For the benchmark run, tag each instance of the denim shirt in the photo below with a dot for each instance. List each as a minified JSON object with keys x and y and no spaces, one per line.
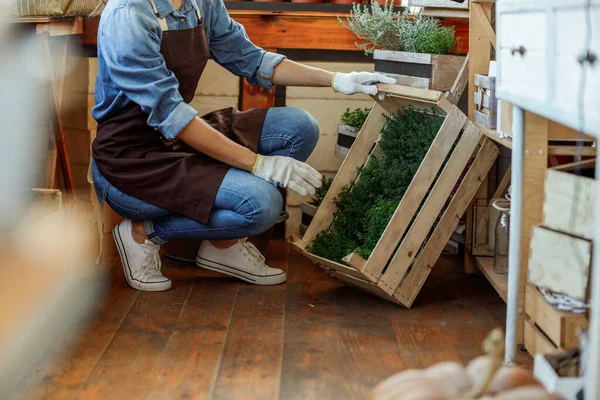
{"x":132,"y":69}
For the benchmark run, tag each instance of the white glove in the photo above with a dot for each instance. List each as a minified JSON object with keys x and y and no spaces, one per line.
{"x":287,"y":172}
{"x":358,"y":82}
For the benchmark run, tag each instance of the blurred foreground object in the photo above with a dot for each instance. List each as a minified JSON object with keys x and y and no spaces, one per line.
{"x":49,"y":280}
{"x":483,"y":378}
{"x":50,"y":285}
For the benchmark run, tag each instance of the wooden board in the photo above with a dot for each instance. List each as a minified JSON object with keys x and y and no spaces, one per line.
{"x":415,"y":193}
{"x":560,"y":262}
{"x":498,"y":281}
{"x":412,"y":284}
{"x":479,"y":52}
{"x":560,"y":326}
{"x":535,"y":340}
{"x":445,"y":70}
{"x":431,"y":209}
{"x":569,"y":204}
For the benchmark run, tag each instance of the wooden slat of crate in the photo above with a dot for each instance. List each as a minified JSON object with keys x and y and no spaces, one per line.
{"x":364,"y":285}
{"x":361,"y":150}
{"x":560,"y":326}
{"x":535,"y":340}
{"x":569,"y":204}
{"x":559,"y":262}
{"x":444,"y":70}
{"x":325,"y":263}
{"x":413,"y":282}
{"x":419,"y":98}
{"x":415,"y":193}
{"x":431,"y":209}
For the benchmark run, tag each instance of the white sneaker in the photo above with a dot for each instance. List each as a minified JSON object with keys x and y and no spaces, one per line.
{"x":241,"y":260}
{"x":141,"y":262}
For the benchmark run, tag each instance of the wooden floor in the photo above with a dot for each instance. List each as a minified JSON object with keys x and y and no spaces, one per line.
{"x":217,"y":338}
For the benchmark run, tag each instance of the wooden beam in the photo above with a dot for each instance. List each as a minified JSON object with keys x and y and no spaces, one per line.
{"x":458,"y":88}
{"x":479,"y":50}
{"x":485,"y":23}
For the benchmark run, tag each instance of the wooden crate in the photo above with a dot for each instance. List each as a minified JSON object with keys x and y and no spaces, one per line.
{"x":559,"y":262}
{"x":559,"y":326}
{"x":485,"y":99}
{"x":397,"y":270}
{"x":569,"y":204}
{"x":423,"y":71}
{"x":536,"y":341}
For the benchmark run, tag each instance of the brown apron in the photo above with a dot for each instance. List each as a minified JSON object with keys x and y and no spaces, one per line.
{"x":140,"y":162}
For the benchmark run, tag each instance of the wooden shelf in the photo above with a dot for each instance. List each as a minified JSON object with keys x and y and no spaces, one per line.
{"x":499,"y":282}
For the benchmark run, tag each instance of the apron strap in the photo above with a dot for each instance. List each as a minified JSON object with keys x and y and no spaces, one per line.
{"x":163,"y":21}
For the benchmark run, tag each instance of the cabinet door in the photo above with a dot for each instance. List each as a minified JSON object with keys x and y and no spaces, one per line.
{"x":522,"y":43}
{"x":577,"y":84}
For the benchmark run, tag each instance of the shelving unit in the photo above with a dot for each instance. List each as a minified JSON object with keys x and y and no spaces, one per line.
{"x":498,"y":281}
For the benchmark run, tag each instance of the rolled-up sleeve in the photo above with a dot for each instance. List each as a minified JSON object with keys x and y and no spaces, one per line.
{"x":231,"y":48}
{"x":130,"y":45}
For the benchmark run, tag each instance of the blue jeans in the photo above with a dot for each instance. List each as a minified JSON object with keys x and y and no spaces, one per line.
{"x":245,"y":204}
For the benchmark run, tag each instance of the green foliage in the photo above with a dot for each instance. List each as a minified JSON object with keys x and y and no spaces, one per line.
{"x":355,"y":118}
{"x":425,"y":35}
{"x":321,"y":192}
{"x":380,"y":27}
{"x":365,"y":206}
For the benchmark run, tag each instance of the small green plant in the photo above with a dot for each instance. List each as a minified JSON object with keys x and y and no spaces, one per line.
{"x":381,"y":27}
{"x":321,"y":192}
{"x":355,"y":118}
{"x":365,"y":206}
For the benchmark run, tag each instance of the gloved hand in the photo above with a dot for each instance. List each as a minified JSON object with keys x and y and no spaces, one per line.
{"x":288,"y":173}
{"x":358,"y":82}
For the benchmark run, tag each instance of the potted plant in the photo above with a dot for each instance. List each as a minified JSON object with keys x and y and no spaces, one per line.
{"x":348,"y":128}
{"x":413,"y":49}
{"x":310,"y":209}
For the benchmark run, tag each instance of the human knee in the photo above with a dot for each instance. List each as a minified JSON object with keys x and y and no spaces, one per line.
{"x":306,"y":128}
{"x":266,"y":204}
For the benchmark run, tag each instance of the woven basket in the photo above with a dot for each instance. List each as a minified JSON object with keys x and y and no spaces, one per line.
{"x":58,"y":8}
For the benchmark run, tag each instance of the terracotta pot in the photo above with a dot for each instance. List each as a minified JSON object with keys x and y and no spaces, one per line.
{"x":345,"y":1}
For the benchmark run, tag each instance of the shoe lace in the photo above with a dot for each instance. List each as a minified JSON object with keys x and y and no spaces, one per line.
{"x":253,"y":251}
{"x":151,"y":264}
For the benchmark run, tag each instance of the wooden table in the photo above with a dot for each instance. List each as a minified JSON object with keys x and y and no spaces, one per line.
{"x":285,"y":26}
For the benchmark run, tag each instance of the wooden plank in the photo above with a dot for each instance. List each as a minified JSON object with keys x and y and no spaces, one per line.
{"x":459,"y":85}
{"x":432,"y":162}
{"x":559,"y":150}
{"x":492,"y":134}
{"x":574,"y":166}
{"x":440,"y":3}
{"x":534,"y":173}
{"x":430,"y":210}
{"x":560,"y":326}
{"x":251,"y":361}
{"x":569,"y":204}
{"x":407,"y":292}
{"x":356,"y":157}
{"x":479,"y":50}
{"x":477,"y":9}
{"x":140,"y":341}
{"x":424,"y":95}
{"x":402,"y":56}
{"x":535,"y":341}
{"x":189,"y":364}
{"x":71,"y":371}
{"x":498,"y":281}
{"x":363,"y":285}
{"x":560,"y":262}
{"x":412,"y":81}
{"x":60,"y":27}
{"x":355,"y":261}
{"x":446,"y":68}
